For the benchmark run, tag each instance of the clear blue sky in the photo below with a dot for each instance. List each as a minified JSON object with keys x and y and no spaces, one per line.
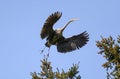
{"x":20,"y":43}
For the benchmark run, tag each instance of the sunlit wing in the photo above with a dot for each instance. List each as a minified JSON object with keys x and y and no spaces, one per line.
{"x":48,"y":25}
{"x":73,"y":43}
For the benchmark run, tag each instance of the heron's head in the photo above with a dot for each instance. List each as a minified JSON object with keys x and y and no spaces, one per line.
{"x":73,"y":19}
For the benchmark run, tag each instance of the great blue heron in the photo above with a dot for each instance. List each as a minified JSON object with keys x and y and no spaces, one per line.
{"x":55,"y":37}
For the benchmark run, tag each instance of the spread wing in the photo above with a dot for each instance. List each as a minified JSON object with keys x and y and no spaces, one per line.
{"x":48,"y":25}
{"x":73,"y":43}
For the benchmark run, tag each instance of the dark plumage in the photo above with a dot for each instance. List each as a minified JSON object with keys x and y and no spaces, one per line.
{"x":48,"y":25}
{"x":72,"y":43}
{"x":55,"y":37}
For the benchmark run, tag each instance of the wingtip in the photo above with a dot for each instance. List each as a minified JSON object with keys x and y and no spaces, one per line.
{"x":58,"y":12}
{"x":86,"y":34}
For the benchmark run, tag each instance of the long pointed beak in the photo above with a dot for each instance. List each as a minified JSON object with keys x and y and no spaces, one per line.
{"x":74,"y":19}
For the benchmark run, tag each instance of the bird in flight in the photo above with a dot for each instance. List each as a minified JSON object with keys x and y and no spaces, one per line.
{"x":55,"y":37}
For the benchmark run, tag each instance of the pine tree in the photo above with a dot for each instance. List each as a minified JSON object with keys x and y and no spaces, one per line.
{"x":110,"y":49}
{"x":48,"y":73}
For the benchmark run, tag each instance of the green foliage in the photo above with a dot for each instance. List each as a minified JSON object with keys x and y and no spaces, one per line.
{"x":110,"y":49}
{"x":48,"y":73}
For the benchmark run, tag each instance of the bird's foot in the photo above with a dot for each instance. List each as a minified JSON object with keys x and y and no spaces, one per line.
{"x":42,"y":50}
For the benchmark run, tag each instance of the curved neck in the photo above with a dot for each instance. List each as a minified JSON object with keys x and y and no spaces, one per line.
{"x":66,"y":25}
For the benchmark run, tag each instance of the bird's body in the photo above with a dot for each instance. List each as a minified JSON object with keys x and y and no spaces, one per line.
{"x":52,"y":39}
{"x":55,"y":37}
